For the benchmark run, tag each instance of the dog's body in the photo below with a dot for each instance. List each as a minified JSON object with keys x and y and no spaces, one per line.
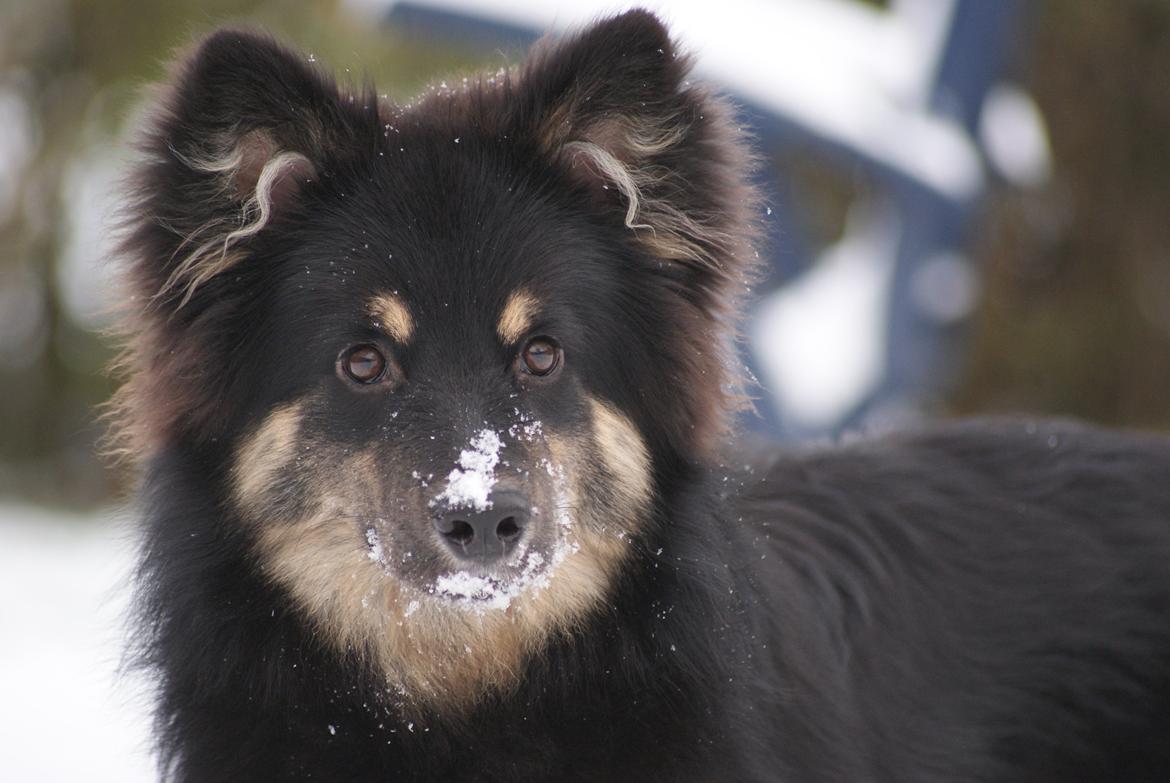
{"x":433,"y":405}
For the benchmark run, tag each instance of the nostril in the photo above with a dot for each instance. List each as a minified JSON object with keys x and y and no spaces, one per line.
{"x":508,"y":529}
{"x":457,"y":531}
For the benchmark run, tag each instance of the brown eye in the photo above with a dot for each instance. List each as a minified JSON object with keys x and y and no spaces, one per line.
{"x":540,"y":356}
{"x":363,"y":364}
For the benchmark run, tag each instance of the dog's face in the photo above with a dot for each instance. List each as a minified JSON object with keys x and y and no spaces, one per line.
{"x":451,"y":353}
{"x":425,"y":372}
{"x":426,"y":448}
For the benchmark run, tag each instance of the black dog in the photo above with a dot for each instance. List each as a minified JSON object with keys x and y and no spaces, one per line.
{"x":431,"y":402}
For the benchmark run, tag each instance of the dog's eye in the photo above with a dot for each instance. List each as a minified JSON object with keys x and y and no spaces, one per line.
{"x":363,"y":364}
{"x":541,"y":356}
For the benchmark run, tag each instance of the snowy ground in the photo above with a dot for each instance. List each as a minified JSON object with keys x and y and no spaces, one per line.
{"x":65,"y":713}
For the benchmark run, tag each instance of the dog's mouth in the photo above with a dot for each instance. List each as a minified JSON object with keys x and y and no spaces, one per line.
{"x":431,"y":572}
{"x":476,"y":588}
{"x":530,"y":571}
{"x":492,"y":590}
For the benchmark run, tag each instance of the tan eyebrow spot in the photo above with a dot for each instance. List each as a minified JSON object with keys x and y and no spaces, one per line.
{"x":516,"y":317}
{"x":393,"y":316}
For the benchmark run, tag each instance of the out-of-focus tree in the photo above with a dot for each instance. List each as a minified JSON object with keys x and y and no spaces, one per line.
{"x":71,"y":77}
{"x":1075,"y":316}
{"x":1076,"y":309}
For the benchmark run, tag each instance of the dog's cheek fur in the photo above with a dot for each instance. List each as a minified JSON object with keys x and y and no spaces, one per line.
{"x":623,"y":469}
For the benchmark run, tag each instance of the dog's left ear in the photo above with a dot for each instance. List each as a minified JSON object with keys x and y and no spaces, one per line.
{"x":614,"y":107}
{"x":243,"y":127}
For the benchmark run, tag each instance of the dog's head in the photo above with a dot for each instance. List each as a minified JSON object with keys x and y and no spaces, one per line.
{"x":453,"y":351}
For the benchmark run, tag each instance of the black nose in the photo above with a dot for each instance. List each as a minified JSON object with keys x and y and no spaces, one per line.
{"x":488,"y":535}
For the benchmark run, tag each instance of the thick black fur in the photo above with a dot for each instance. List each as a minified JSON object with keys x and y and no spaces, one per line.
{"x":984,"y":601}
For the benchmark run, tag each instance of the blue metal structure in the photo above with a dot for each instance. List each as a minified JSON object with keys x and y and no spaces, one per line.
{"x":902,"y":260}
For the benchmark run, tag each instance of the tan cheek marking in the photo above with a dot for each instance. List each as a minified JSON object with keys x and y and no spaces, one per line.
{"x":516,"y":317}
{"x":393,"y":316}
{"x":624,"y":453}
{"x":582,"y":580}
{"x":429,"y":652}
{"x":264,"y":453}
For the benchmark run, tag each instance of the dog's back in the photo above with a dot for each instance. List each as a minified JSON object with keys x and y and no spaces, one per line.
{"x":987,"y":600}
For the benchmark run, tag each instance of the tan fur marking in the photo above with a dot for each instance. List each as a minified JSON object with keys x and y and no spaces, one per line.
{"x":624,"y":453}
{"x":516,"y":317}
{"x":264,"y":453}
{"x":394,"y":317}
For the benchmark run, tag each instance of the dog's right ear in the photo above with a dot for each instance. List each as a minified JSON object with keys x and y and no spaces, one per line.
{"x":237,"y":136}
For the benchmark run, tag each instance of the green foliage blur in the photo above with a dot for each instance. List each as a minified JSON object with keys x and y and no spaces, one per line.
{"x":72,"y":78}
{"x":1075,"y":316}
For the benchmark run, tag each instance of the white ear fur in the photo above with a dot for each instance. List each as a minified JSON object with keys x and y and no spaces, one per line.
{"x":263,"y":180}
{"x":625,"y":154}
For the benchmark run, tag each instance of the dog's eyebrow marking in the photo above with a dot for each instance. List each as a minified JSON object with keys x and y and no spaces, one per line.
{"x":517,"y":315}
{"x":393,"y":316}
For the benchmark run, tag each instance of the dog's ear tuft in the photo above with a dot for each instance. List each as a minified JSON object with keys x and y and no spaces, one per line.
{"x":613,"y":105}
{"x":613,"y":110}
{"x":614,"y":85}
{"x":236,"y":137}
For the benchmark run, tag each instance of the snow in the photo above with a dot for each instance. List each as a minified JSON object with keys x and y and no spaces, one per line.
{"x":481,"y":593}
{"x":376,"y":553}
{"x":462,"y":584}
{"x":478,"y":593}
{"x":527,"y":429}
{"x":68,"y":715}
{"x":470,"y":484}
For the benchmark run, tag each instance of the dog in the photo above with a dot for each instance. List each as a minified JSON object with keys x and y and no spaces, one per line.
{"x":433,"y":409}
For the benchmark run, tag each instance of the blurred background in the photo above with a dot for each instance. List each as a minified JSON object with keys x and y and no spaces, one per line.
{"x":967,"y":211}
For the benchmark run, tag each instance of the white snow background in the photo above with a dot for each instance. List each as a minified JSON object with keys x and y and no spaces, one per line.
{"x":66,"y":714}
